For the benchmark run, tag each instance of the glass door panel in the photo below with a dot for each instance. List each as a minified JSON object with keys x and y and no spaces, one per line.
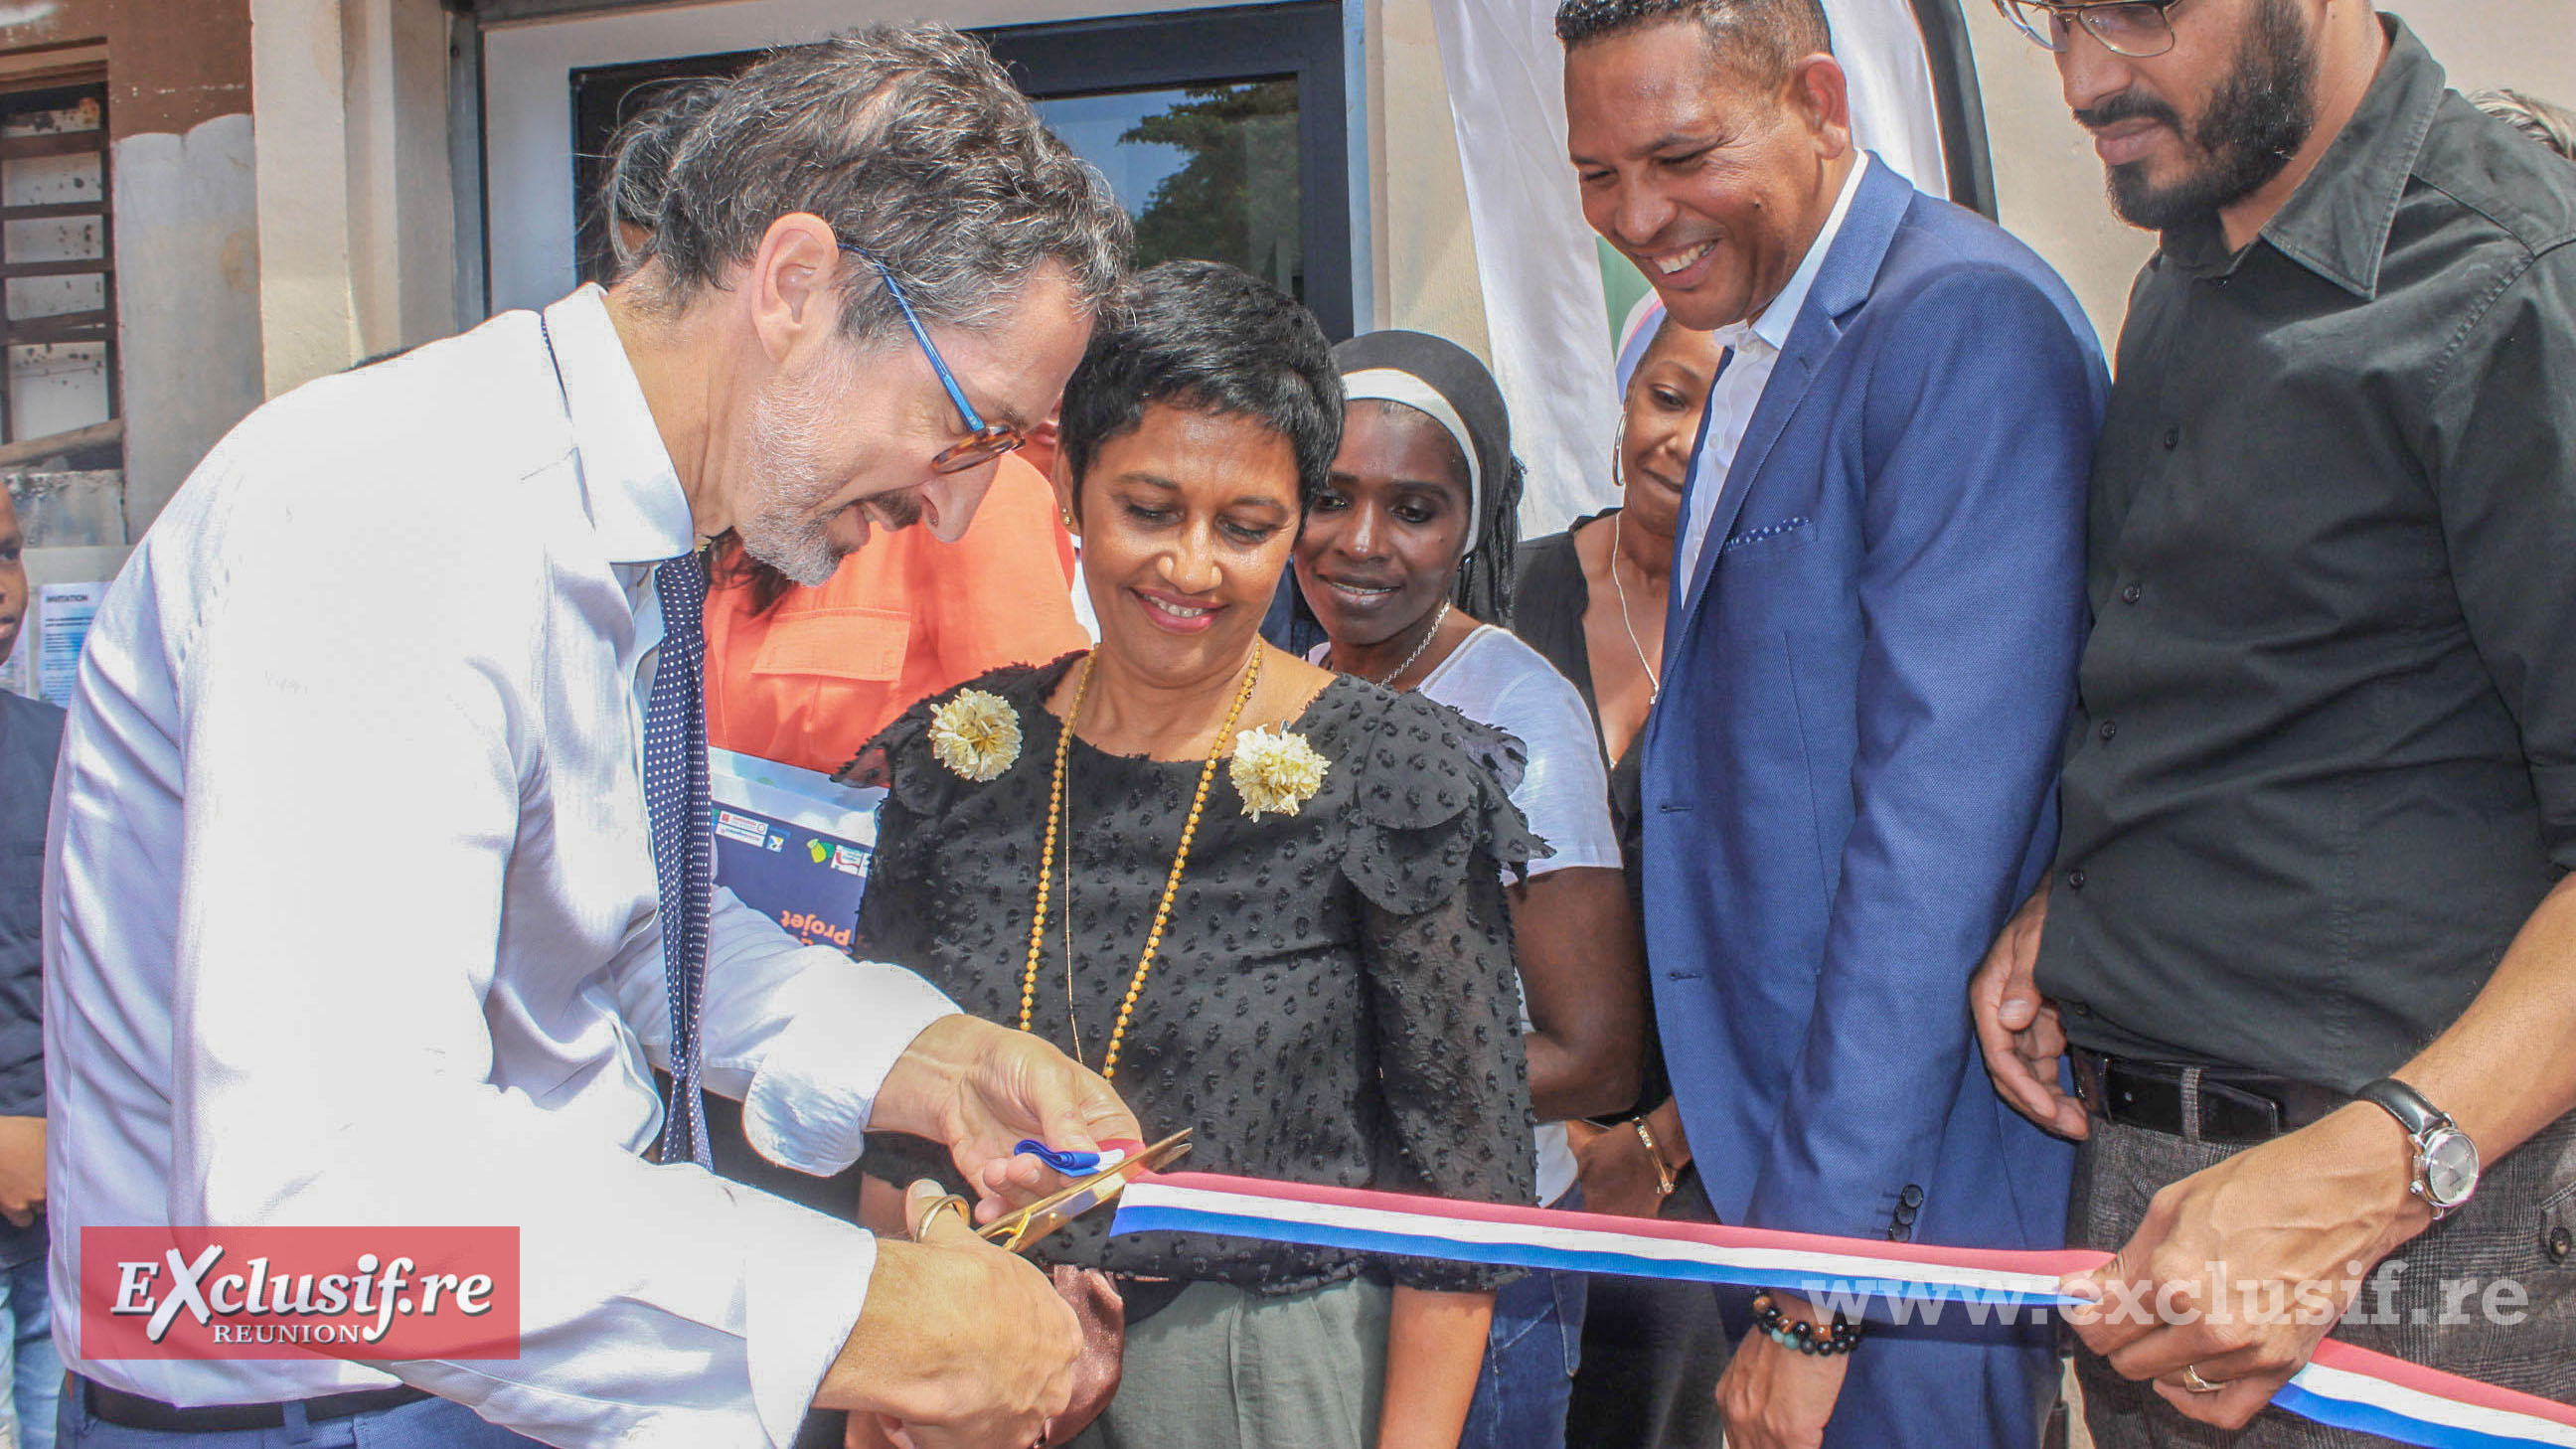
{"x":1207,"y":171}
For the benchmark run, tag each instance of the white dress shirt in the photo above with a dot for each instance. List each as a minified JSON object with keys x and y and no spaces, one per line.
{"x":350,"y":914}
{"x":1754,"y":349}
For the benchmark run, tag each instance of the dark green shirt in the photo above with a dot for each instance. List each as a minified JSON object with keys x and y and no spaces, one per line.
{"x":2324,"y":759}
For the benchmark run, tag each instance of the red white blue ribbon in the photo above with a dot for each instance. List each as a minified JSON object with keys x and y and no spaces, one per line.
{"x":2342,"y":1387}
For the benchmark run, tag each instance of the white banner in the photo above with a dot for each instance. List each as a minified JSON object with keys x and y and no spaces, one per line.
{"x":1536,"y":259}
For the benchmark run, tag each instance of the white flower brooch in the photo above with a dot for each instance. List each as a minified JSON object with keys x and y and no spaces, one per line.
{"x":1275,"y":772}
{"x":976,"y":734}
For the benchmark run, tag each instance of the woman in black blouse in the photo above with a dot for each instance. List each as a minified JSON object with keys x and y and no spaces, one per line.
{"x":1592,"y":600}
{"x":1330,"y":997}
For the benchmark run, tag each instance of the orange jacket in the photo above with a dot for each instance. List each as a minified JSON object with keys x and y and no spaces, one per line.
{"x":814,"y":678}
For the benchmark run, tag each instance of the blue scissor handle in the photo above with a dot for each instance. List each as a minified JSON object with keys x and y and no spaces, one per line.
{"x":1072,"y":1163}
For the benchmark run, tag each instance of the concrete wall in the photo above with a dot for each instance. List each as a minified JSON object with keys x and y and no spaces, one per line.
{"x":186,"y":253}
{"x":356,"y":212}
{"x":2050,"y":183}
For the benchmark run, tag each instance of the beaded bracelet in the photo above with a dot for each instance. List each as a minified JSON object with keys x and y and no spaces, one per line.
{"x":1810,"y":1339}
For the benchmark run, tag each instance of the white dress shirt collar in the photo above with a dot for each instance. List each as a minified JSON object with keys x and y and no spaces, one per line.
{"x":1753,"y":350}
{"x":1777,"y":320}
{"x":636,"y":503}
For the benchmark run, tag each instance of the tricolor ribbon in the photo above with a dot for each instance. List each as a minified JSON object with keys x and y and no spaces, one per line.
{"x":2342,"y":1387}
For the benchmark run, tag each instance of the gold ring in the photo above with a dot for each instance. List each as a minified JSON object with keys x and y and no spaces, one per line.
{"x":948,"y":1203}
{"x":2193,"y":1383}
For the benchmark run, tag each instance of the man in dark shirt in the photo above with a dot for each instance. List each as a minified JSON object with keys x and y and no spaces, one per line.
{"x":2320,"y":792}
{"x":30,"y":733}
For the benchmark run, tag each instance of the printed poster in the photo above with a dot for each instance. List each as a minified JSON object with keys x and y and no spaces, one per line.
{"x":792,"y":844}
{"x":63,"y":614}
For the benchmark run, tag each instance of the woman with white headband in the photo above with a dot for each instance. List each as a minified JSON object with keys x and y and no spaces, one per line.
{"x":1406,"y":559}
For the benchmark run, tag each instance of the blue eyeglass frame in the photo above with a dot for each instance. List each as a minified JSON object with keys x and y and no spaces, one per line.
{"x":984,"y":441}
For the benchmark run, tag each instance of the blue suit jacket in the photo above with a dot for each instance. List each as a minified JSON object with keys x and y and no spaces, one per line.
{"x":1850,"y":776}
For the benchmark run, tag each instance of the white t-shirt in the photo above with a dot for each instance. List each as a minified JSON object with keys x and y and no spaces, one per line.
{"x":1495,"y":679}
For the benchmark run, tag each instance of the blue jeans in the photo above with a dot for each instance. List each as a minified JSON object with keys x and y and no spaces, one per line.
{"x":1528,"y":1377}
{"x":428,"y":1424}
{"x":29,"y":1367}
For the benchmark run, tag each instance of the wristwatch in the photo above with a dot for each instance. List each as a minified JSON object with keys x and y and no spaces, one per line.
{"x":2446,"y":1161}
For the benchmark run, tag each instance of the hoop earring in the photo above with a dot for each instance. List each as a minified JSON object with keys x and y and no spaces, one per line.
{"x":1619,"y":454}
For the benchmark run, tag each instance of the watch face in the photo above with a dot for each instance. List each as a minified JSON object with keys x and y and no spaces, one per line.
{"x":2450,"y":1168}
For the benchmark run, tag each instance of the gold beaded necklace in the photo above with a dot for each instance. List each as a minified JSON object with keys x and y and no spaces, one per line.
{"x":1171,"y":883}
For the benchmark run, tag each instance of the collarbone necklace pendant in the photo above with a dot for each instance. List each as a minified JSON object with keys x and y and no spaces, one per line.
{"x":1439,"y":617}
{"x":1056,"y":829}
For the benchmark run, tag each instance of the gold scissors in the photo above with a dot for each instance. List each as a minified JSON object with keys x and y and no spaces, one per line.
{"x":1018,"y":1230}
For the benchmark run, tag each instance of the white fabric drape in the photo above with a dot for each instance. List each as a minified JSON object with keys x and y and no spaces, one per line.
{"x":1537,"y":263}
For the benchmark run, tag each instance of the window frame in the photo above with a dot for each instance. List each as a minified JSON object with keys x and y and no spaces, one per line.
{"x":47,"y":93}
{"x":1172,"y":49}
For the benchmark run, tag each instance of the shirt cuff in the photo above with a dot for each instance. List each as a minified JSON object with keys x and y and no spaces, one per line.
{"x":847,"y":1023}
{"x":805,"y":1281}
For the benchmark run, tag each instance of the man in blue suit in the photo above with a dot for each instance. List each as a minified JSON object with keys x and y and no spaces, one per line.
{"x":1868,"y":665}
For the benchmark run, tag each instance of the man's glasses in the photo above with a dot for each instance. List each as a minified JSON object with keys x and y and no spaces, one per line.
{"x":2137,"y":28}
{"x":984,"y":441}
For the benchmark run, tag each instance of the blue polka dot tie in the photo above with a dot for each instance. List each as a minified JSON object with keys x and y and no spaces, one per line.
{"x":675,"y":798}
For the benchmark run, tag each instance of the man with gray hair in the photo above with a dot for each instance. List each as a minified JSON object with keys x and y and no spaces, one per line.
{"x":2552,"y":125}
{"x":379,"y":880}
{"x":639,"y":160}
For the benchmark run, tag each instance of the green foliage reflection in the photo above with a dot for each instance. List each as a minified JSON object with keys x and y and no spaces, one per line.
{"x":1235,"y":199}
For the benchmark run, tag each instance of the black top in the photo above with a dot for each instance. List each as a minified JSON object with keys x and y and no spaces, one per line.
{"x":1552,"y":598}
{"x":31,"y":734}
{"x":1335,"y":1000}
{"x":2324,"y":761}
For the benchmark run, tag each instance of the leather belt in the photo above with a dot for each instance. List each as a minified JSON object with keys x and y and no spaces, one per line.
{"x":2224,"y":1105}
{"x":134,"y":1411}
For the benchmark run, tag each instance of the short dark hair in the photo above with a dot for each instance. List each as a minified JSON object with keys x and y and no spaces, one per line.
{"x":1214,"y":339}
{"x":638,"y":169}
{"x":1763,"y":38}
{"x":910,"y":142}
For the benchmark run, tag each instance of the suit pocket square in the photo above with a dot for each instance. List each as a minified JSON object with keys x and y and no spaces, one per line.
{"x":1768,"y":533}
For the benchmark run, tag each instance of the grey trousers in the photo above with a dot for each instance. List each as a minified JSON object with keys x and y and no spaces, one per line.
{"x":1220,"y":1368}
{"x":2519,"y":1230}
